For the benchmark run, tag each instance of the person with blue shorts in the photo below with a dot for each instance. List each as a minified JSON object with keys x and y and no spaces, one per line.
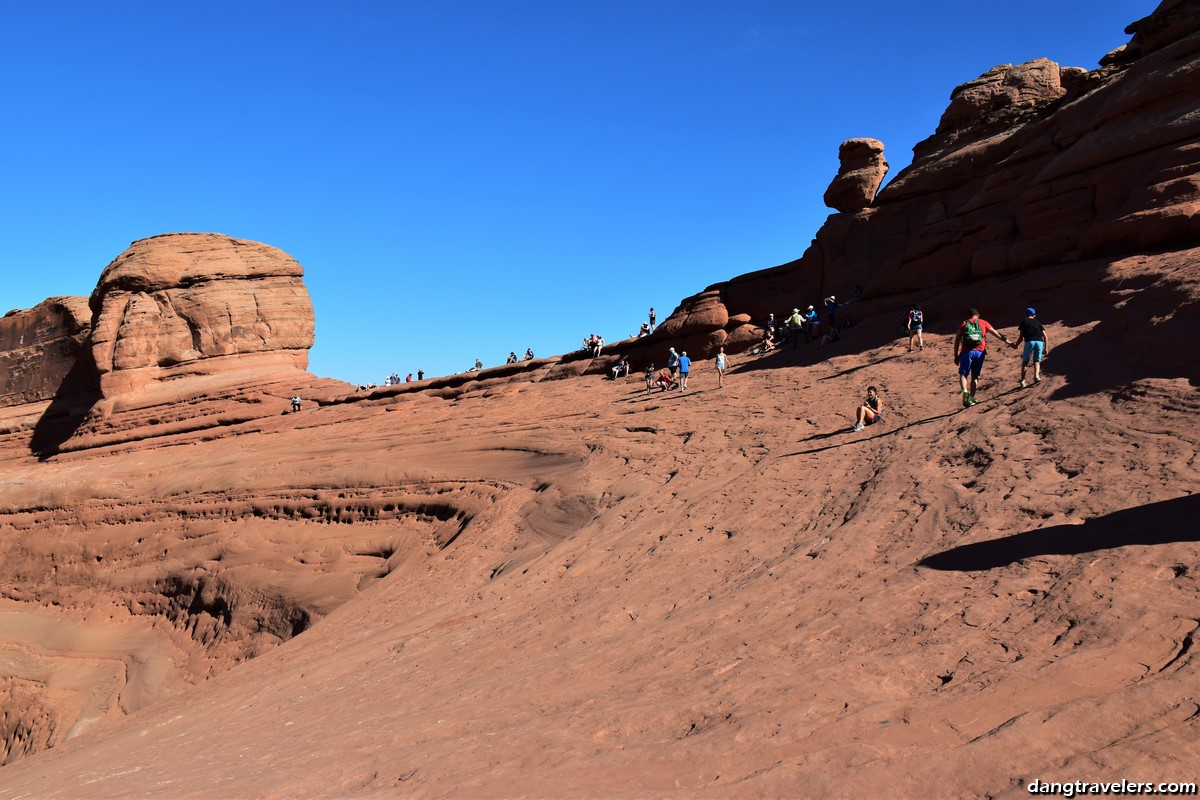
{"x":1033,"y":333}
{"x":970,"y":348}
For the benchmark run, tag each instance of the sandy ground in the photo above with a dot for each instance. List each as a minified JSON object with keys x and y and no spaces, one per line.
{"x":572,"y":589}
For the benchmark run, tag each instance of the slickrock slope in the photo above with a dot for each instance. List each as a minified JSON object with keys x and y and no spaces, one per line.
{"x":568,"y":588}
{"x":534,"y":582}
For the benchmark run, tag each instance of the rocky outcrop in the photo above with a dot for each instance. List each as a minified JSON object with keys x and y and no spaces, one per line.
{"x":198,"y":304}
{"x":1032,"y":165}
{"x":43,"y":351}
{"x":862,"y":170}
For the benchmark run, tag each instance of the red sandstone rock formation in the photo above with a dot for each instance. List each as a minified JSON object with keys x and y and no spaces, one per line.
{"x":1031,"y":165}
{"x":862,"y":170}
{"x":499,"y":585}
{"x":40,"y":351}
{"x":198,"y":304}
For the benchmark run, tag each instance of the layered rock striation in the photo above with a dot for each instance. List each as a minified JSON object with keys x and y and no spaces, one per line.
{"x":198,"y":303}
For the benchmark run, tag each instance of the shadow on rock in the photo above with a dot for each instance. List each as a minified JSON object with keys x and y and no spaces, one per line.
{"x":1175,"y":520}
{"x":75,"y":397}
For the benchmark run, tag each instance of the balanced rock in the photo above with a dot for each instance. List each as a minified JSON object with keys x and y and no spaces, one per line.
{"x":862,"y":170}
{"x":198,"y":303}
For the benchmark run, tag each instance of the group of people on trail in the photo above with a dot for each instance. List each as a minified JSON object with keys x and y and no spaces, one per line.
{"x":679,"y":368}
{"x":595,"y":343}
{"x":970,"y":350}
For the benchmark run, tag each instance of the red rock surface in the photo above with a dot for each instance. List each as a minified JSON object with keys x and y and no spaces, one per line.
{"x":198,"y":304}
{"x":862,"y":169}
{"x":531,"y":581}
{"x":40,"y":350}
{"x":1032,"y":165}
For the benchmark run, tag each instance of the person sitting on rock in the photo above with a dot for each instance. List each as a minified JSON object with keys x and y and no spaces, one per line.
{"x":528,"y":354}
{"x":870,"y":412}
{"x":620,"y":369}
{"x":645,"y":330}
{"x":478,"y":365}
{"x":512,"y":358}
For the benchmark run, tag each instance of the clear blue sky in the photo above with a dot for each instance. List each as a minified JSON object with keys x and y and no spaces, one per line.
{"x":464,"y":178}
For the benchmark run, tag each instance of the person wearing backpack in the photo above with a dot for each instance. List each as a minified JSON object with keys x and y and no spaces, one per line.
{"x":916,"y":322}
{"x":970,"y":346}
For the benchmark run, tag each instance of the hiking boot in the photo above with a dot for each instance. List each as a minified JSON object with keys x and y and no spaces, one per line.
{"x":966,"y":400}
{"x":858,"y":426}
{"x":1038,"y":379}
{"x":1023,"y":383}
{"x":971,"y":401}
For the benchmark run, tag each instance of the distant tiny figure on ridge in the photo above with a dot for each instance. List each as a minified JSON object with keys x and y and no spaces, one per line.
{"x":512,"y":357}
{"x":970,"y":345}
{"x":652,"y":318}
{"x":870,"y":412}
{"x":296,"y":403}
{"x":1034,"y":335}
{"x":528,"y":354}
{"x":420,"y":374}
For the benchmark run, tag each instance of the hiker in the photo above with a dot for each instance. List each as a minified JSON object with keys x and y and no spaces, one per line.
{"x":620,"y":369}
{"x":812,"y":323}
{"x":528,"y":354}
{"x":295,"y":403}
{"x":478,"y":365}
{"x":420,"y":374}
{"x":916,"y":322}
{"x":831,"y":307}
{"x":1033,"y":333}
{"x":672,"y":362}
{"x":649,"y":378}
{"x":408,"y":378}
{"x":870,"y":412}
{"x":685,"y":366}
{"x":771,"y":324}
{"x":794,"y":325}
{"x":722,"y":363}
{"x":970,"y":345}
{"x":644,"y":330}
{"x":512,"y":357}
{"x":652,"y":318}
{"x":599,"y":345}
{"x":665,"y":380}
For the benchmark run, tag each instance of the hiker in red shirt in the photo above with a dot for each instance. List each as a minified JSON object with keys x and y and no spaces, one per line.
{"x":970,"y":344}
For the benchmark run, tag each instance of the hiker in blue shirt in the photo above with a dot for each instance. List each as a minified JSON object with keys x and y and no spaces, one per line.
{"x":685,"y":366}
{"x":672,"y":361}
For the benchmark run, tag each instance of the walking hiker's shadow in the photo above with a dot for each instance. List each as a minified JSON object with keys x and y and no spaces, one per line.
{"x":1168,"y":521}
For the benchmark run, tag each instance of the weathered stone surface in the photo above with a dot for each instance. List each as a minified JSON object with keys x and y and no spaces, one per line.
{"x":40,"y":348}
{"x":185,"y":303}
{"x":862,"y":170}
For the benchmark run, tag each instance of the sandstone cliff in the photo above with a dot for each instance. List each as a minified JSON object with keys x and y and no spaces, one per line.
{"x":1031,"y":165}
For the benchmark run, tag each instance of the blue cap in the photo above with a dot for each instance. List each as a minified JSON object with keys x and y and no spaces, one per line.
{"x":1030,"y":312}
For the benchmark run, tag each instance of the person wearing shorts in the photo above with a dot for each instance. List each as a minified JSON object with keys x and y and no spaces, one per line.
{"x":970,"y":349}
{"x":870,"y":412}
{"x":1033,"y":333}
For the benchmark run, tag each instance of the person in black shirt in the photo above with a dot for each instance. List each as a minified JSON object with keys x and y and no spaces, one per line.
{"x":1033,"y":334}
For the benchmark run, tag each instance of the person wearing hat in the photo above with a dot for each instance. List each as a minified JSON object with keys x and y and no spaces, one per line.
{"x":812,"y":321}
{"x":1033,"y":333}
{"x":831,"y":308}
{"x":794,"y":325}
